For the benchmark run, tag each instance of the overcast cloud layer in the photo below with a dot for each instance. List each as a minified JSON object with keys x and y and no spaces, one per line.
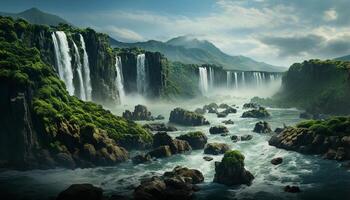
{"x":278,"y":32}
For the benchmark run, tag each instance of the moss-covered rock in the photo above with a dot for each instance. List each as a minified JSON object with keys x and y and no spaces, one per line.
{"x":187,"y":118}
{"x":219,"y":129}
{"x":216,"y":148}
{"x":196,"y":139}
{"x":256,"y":113}
{"x":262,"y":127}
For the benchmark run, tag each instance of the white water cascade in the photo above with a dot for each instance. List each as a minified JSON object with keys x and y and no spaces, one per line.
{"x":86,"y":70}
{"x":228,"y":79}
{"x":243,"y":79}
{"x":82,"y":94}
{"x":119,"y":79}
{"x":203,"y":79}
{"x":211,"y":77}
{"x":141,"y":80}
{"x":236,"y":80}
{"x":63,"y":59}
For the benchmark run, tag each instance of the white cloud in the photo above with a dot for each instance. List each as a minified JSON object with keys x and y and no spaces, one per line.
{"x":330,"y":15}
{"x":123,"y":33}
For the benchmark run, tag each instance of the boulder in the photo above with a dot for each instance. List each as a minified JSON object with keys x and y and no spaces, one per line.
{"x":292,"y":189}
{"x":140,"y":113}
{"x":218,"y":129}
{"x":197,"y":139}
{"x":224,"y":134}
{"x":221,"y":115}
{"x":228,"y":122}
{"x":211,"y":106}
{"x":160,"y":152}
{"x":81,"y":191}
{"x":176,"y":145}
{"x":159,"y":117}
{"x":234,"y":138}
{"x":231,"y":171}
{"x":192,"y":175}
{"x":224,"y":106}
{"x":159,"y":127}
{"x":278,"y":130}
{"x":230,"y":110}
{"x":216,"y":148}
{"x":200,"y":111}
{"x":187,"y":118}
{"x":256,"y":113}
{"x":246,"y":137}
{"x":150,"y":189}
{"x":250,"y":106}
{"x":277,"y":161}
{"x":262,"y":127}
{"x":208,"y":158}
{"x":141,"y":158}
{"x":212,"y":110}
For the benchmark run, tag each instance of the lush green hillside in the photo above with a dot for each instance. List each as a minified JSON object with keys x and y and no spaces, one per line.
{"x":36,"y":16}
{"x":317,"y":86}
{"x":193,"y":51}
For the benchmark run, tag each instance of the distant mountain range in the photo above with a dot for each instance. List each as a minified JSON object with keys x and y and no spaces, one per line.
{"x":183,"y":49}
{"x":190,"y":50}
{"x":343,"y":58}
{"x":37,"y":16}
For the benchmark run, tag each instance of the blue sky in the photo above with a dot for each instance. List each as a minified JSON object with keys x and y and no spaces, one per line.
{"x":279,"y":32}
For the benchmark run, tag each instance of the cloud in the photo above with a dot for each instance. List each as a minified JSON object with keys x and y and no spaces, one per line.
{"x":123,"y":34}
{"x":330,"y":15}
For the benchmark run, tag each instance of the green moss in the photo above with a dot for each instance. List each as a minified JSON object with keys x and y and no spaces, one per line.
{"x":331,"y":126}
{"x":233,"y":157}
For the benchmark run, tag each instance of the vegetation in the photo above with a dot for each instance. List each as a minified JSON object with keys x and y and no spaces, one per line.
{"x":331,"y":126}
{"x":233,"y":157}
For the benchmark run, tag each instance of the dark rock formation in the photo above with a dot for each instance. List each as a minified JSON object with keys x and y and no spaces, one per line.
{"x":262,"y":127}
{"x":187,"y":118}
{"x":231,"y":171}
{"x":160,"y":152}
{"x":218,"y":129}
{"x":277,"y":161}
{"x":212,"y":106}
{"x":141,"y":158}
{"x":159,"y":117}
{"x":250,"y":106}
{"x":246,"y":137}
{"x":140,"y":113}
{"x":216,"y":148}
{"x":256,"y":113}
{"x":200,"y":111}
{"x":81,"y":191}
{"x":159,"y":127}
{"x":207,"y":158}
{"x":224,"y":106}
{"x":228,"y":122}
{"x":234,"y":138}
{"x":292,"y":189}
{"x":177,"y":184}
{"x":176,"y":145}
{"x":197,"y":140}
{"x":221,"y":115}
{"x":230,"y":110}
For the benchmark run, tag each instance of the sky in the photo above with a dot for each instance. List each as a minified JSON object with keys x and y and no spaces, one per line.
{"x":279,"y":32}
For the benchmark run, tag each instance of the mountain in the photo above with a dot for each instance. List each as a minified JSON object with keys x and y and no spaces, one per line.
{"x":36,"y":16}
{"x":343,"y":58}
{"x":190,"y":50}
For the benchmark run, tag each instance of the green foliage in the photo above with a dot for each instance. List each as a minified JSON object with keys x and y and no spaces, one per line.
{"x":233,"y":157}
{"x":331,"y":126}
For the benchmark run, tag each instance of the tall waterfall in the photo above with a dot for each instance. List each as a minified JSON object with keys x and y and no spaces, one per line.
{"x":119,"y":79}
{"x":211,"y":77}
{"x":86,"y":70}
{"x":228,"y":79}
{"x":236,"y":80}
{"x":243,"y":79}
{"x":63,"y":59}
{"x":203,"y":79}
{"x":141,"y":81}
{"x":82,"y":94}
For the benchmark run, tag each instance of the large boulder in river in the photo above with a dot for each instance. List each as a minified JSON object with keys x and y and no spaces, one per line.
{"x":216,"y":148}
{"x":187,"y":118}
{"x":218,"y":129}
{"x":221,"y":115}
{"x":250,"y":106}
{"x":256,"y":113}
{"x":196,"y":139}
{"x":140,"y":113}
{"x":176,"y":145}
{"x":159,"y":127}
{"x":160,"y":152}
{"x":212,"y":106}
{"x":200,"y":111}
{"x":230,"y":110}
{"x":231,"y":171}
{"x":141,"y":158}
{"x":177,"y":184}
{"x":262,"y":127}
{"x":81,"y":191}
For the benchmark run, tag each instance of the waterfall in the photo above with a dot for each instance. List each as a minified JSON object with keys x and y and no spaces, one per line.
{"x":119,"y":79}
{"x":243,"y":79}
{"x":236,"y":80}
{"x":141,"y":74}
{"x":211,"y":77}
{"x":82,"y":94}
{"x":228,"y":79}
{"x":272,"y":77}
{"x":63,"y":59}
{"x":86,"y":70}
{"x":203,"y":79}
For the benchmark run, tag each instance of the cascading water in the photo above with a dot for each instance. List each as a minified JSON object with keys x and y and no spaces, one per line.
{"x":82,"y":94}
{"x":63,"y":59}
{"x":243,"y":79}
{"x":86,"y":70}
{"x":203,"y":79}
{"x":228,"y":79}
{"x":211,"y":77}
{"x":236,"y":80}
{"x":119,"y":79}
{"x":141,"y":80}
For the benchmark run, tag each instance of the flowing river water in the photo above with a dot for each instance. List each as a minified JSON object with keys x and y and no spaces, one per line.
{"x":316,"y":177}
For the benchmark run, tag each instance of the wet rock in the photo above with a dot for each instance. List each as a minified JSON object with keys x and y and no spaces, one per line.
{"x":160,"y":152}
{"x":230,"y":110}
{"x":216,"y":148}
{"x":159,"y":117}
{"x":197,"y":139}
{"x":187,"y":118}
{"x":81,"y":191}
{"x":159,"y":127}
{"x":65,"y":160}
{"x":228,"y":122}
{"x":140,"y":113}
{"x":256,"y":113}
{"x":250,"y":106}
{"x":211,"y":105}
{"x":234,"y":138}
{"x":292,"y":189}
{"x":224,"y":134}
{"x":141,"y":158}
{"x":341,"y":154}
{"x":218,"y":129}
{"x":208,"y":158}
{"x":221,"y":115}
{"x":192,"y":175}
{"x":246,"y":137}
{"x":305,"y":115}
{"x":200,"y":111}
{"x":278,"y":130}
{"x":212,"y":110}
{"x":150,"y":189}
{"x":176,"y":145}
{"x":231,"y":171}
{"x":262,"y":127}
{"x":224,"y":106}
{"x":277,"y":161}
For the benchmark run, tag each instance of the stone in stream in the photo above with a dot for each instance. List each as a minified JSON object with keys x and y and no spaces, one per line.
{"x":219,"y":129}
{"x":221,"y":115}
{"x":159,"y":117}
{"x":187,"y":118}
{"x":234,"y":138}
{"x":216,"y":148}
{"x":200,"y":111}
{"x":197,"y":139}
{"x":208,"y":158}
{"x":224,"y":106}
{"x":246,"y":137}
{"x":160,"y":152}
{"x":262,"y":127}
{"x":141,"y":158}
{"x":250,"y":105}
{"x":277,"y":161}
{"x":228,"y":122}
{"x":231,"y":171}
{"x":140,"y":113}
{"x":230,"y":110}
{"x":81,"y":191}
{"x":292,"y":189}
{"x":176,"y":145}
{"x":159,"y":127}
{"x":256,"y":113}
